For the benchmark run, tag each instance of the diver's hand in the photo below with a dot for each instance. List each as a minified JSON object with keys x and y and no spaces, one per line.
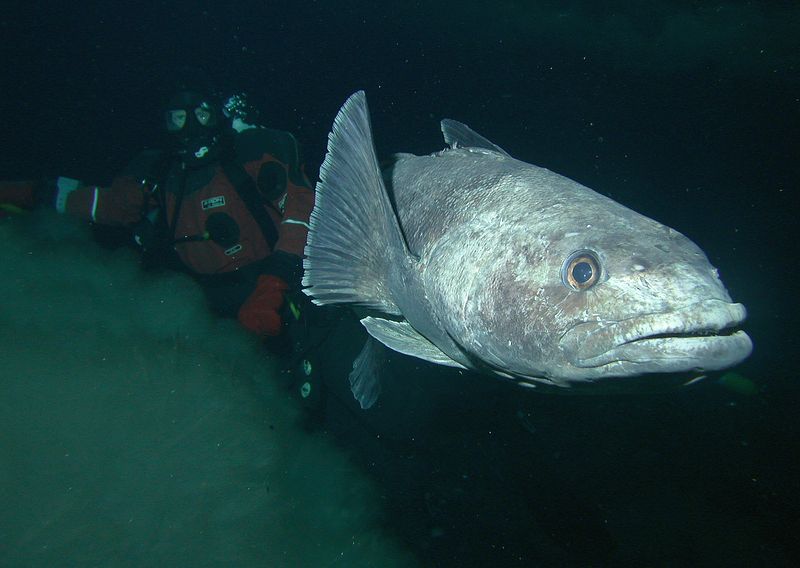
{"x":18,"y":196}
{"x":26,"y":195}
{"x":260,"y":313}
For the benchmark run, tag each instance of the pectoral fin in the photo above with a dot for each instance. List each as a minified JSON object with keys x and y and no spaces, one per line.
{"x":400,"y":336}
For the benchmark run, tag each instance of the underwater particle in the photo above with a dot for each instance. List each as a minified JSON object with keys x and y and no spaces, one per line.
{"x":738,"y":383}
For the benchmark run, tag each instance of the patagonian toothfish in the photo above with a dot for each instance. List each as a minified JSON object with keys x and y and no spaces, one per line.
{"x":480,"y":261}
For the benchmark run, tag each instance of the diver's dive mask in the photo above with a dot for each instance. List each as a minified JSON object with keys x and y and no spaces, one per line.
{"x":192,"y":122}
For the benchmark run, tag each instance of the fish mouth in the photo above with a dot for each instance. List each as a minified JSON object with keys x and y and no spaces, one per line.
{"x":703,"y":336}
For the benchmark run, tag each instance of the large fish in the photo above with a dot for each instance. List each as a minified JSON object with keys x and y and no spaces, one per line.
{"x":475,"y":259}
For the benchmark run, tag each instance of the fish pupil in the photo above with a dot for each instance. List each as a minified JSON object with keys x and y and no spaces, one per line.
{"x":582,"y":272}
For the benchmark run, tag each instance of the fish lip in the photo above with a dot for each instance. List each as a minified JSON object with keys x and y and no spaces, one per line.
{"x":701,"y":335}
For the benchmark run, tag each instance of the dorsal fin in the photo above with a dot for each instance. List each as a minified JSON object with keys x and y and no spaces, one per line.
{"x":459,"y":135}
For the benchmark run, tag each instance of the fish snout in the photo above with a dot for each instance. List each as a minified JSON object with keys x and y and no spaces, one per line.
{"x":702,"y":335}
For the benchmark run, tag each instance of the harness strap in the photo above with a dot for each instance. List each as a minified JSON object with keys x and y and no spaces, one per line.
{"x":248,"y":192}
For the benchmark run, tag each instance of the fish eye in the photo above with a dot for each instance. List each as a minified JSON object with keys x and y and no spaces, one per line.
{"x":581,"y":270}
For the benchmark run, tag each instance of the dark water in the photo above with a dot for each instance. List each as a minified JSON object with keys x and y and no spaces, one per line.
{"x":687,"y":112}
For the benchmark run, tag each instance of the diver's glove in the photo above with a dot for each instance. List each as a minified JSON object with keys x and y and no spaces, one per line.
{"x":18,"y":196}
{"x":260,"y":313}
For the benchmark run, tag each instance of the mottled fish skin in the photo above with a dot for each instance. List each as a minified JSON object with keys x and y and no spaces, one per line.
{"x":478,"y":278}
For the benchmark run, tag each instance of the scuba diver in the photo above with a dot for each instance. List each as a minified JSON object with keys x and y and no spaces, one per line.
{"x":228,"y":202}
